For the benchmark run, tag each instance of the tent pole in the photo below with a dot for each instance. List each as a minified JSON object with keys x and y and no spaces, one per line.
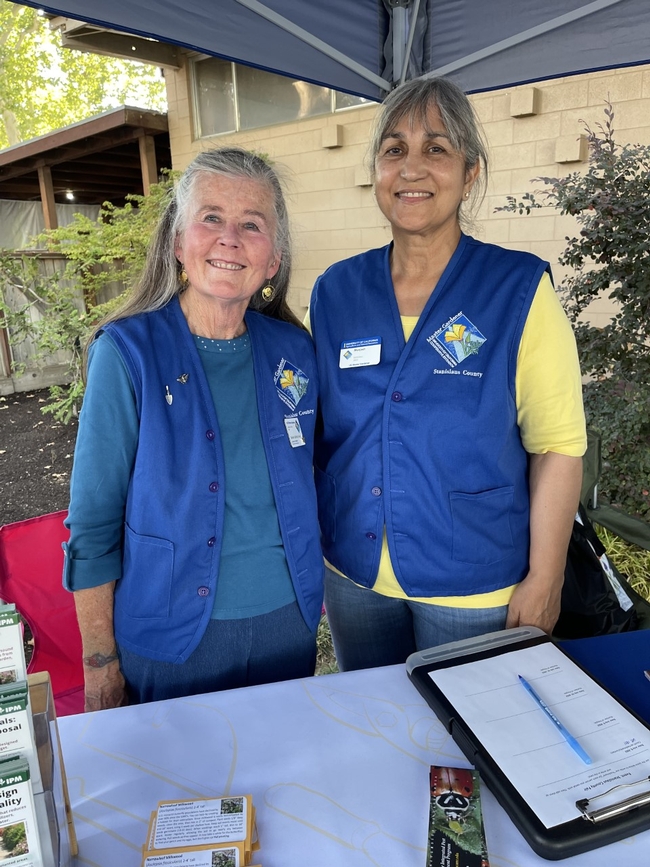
{"x":309,"y":38}
{"x":399,"y":27}
{"x":409,"y":44}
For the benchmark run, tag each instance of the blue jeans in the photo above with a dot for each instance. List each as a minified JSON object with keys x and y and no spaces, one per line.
{"x":232,"y":653}
{"x":370,"y":630}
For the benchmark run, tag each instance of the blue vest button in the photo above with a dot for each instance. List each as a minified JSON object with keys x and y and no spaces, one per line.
{"x":376,"y":492}
{"x":214,"y":487}
{"x":210,"y":434}
{"x":397,"y":396}
{"x":211,"y":542}
{"x":203,"y":591}
{"x":371,"y":536}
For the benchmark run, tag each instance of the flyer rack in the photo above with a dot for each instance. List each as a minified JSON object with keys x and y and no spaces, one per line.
{"x":53,"y":813}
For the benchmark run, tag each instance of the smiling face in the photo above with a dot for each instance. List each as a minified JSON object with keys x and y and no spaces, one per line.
{"x":227,"y":244}
{"x":421,"y":179}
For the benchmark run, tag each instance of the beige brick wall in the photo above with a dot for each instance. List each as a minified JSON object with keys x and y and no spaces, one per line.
{"x":333,"y":216}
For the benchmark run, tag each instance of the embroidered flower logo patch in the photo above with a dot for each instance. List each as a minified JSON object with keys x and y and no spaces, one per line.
{"x":291,"y":383}
{"x":457,"y":339}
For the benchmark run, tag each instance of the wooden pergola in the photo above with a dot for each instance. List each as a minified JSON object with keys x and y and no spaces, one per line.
{"x":101,"y":159}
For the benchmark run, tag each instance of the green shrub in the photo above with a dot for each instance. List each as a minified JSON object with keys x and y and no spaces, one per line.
{"x":630,"y":560}
{"x":325,"y":658}
{"x":67,"y":301}
{"x":610,"y":255}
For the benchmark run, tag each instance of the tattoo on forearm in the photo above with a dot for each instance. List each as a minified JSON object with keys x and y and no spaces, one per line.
{"x":98,"y":660}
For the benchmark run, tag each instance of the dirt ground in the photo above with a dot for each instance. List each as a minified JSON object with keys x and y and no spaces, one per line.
{"x":35,"y":458}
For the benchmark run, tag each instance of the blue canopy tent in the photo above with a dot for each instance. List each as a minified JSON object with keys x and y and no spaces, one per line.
{"x":365,"y":47}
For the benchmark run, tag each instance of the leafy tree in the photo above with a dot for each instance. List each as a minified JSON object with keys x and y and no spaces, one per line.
{"x":44,"y":87}
{"x":117,"y":240}
{"x":62,"y":322}
{"x":610,"y":255}
{"x":107,"y":250}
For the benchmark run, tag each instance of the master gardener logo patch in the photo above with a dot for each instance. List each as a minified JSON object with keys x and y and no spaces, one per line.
{"x":291,"y":383}
{"x":457,"y":339}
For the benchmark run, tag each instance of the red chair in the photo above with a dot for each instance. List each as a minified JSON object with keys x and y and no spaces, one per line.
{"x":31,"y":564}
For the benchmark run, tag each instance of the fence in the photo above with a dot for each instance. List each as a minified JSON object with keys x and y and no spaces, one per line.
{"x":20,"y":367}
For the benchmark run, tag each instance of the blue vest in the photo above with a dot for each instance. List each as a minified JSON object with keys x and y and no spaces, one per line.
{"x":175,"y":503}
{"x":425,"y":442}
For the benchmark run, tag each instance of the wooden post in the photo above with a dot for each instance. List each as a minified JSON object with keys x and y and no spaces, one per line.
{"x":148,"y":163}
{"x":47,"y":197}
{"x":6,"y":367}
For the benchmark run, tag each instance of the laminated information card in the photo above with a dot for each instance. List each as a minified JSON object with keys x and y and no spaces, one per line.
{"x":17,"y":729}
{"x":215,"y":832}
{"x":228,"y":856}
{"x":12,"y":654}
{"x":19,"y":841}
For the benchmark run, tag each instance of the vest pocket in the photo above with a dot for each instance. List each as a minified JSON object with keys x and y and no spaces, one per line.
{"x":147,"y":572}
{"x":326,"y":493}
{"x":481,"y":532}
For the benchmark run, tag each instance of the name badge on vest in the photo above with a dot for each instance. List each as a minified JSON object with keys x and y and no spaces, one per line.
{"x":360,"y":353}
{"x":294,"y":432}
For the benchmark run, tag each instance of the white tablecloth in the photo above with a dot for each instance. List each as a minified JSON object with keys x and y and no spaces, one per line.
{"x":337,"y":766}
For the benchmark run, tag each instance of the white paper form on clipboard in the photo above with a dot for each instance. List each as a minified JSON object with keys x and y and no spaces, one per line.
{"x":525,"y":744}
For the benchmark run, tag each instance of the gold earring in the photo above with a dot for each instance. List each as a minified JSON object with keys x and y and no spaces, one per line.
{"x":268,"y":292}
{"x":183,"y":279}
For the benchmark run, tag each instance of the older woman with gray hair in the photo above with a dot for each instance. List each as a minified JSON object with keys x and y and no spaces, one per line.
{"x":448,"y":466}
{"x":194,"y":553}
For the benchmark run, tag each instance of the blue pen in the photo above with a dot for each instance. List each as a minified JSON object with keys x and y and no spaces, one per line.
{"x":568,"y":737}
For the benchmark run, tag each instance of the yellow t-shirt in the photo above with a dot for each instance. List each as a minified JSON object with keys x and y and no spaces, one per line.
{"x":548,"y":394}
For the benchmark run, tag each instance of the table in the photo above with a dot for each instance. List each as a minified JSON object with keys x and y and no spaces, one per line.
{"x":337,"y":767}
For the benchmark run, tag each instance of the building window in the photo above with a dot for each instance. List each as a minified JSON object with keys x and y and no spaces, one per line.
{"x":229,"y":97}
{"x":214,"y":96}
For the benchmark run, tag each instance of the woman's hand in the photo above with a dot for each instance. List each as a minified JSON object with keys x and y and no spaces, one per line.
{"x":104,"y":682}
{"x":554,"y":482}
{"x":536,"y":602}
{"x":104,"y":685}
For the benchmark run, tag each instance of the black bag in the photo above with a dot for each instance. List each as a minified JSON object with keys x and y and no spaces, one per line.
{"x":596,"y":598}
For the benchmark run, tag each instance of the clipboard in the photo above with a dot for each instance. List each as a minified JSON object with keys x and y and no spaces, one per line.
{"x":611,"y":810}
